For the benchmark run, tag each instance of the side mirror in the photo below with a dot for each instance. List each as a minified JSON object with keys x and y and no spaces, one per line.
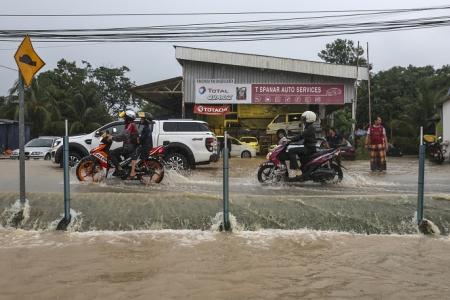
{"x":97,"y":133}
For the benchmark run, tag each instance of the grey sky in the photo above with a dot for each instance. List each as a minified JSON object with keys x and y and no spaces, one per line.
{"x":156,"y":61}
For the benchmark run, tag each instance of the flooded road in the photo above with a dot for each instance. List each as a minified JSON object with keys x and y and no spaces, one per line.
{"x":357,"y":239}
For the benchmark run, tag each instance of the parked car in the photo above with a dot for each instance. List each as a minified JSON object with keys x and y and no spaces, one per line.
{"x":288,"y":124}
{"x":37,"y":148}
{"x":251,"y":141}
{"x":238,"y":149}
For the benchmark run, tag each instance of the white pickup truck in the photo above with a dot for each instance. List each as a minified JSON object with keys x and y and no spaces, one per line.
{"x":188,"y":142}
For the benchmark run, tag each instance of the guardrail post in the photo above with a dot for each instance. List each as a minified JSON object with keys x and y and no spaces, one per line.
{"x":421,"y":178}
{"x":62,"y":225}
{"x":226,"y":218}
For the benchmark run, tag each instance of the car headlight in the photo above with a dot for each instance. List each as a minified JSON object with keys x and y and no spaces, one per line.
{"x":36,"y":153}
{"x":56,"y":143}
{"x":15,"y":152}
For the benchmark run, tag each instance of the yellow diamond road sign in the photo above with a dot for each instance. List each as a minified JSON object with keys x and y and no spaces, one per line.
{"x":27,"y":60}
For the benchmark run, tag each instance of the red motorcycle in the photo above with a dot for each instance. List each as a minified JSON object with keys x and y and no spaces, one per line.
{"x":96,"y":166}
{"x":323,"y":166}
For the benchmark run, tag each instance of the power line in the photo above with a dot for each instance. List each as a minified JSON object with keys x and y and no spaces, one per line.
{"x":12,"y":69}
{"x":213,"y":13}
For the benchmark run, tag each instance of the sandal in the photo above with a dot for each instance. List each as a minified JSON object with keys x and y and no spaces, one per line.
{"x":132,"y":177}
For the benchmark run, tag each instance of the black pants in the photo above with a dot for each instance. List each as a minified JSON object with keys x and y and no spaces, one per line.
{"x":301,"y":152}
{"x":126,"y":150}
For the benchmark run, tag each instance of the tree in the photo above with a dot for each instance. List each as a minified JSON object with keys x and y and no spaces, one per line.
{"x":343,"y":52}
{"x":113,"y":87}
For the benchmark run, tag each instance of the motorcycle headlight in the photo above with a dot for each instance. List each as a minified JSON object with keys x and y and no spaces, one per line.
{"x":268,"y":155}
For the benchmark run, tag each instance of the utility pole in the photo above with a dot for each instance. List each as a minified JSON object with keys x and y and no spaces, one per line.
{"x":355,"y":100}
{"x":368,"y":85}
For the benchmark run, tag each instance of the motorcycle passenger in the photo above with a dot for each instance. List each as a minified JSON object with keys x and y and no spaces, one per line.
{"x":129,"y":138}
{"x":309,"y":137}
{"x":145,"y":139}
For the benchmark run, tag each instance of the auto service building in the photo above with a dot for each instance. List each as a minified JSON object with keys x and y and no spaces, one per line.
{"x":247,"y":91}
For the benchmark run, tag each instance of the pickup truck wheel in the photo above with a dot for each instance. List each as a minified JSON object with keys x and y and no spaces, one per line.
{"x":281,"y":133}
{"x":74,"y":158}
{"x":246,"y":154}
{"x":176,"y":161}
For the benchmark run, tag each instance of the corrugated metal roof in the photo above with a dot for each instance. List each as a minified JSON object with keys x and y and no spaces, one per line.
{"x":269,"y":62}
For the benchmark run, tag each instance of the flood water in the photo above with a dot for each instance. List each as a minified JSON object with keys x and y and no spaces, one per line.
{"x":357,"y":239}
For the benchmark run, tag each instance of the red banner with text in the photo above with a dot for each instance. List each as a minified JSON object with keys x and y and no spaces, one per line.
{"x":298,"y":94}
{"x":211,"y":109}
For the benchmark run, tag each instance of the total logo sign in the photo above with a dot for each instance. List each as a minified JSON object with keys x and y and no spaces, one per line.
{"x":211,"y":110}
{"x":222,"y":93}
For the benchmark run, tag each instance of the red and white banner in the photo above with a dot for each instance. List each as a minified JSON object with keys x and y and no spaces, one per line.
{"x":298,"y":94}
{"x":211,"y":109}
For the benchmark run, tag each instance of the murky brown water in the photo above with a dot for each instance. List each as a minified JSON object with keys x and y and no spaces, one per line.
{"x":259,"y":264}
{"x":267,"y":264}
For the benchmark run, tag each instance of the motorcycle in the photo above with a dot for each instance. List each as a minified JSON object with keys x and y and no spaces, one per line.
{"x":96,"y":166}
{"x":323,"y":166}
{"x":434,"y":148}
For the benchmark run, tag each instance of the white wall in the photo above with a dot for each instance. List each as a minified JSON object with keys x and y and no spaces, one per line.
{"x":446,"y":123}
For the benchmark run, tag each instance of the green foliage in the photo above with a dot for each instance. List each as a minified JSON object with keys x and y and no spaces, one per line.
{"x":83,"y":95}
{"x":343,"y":121}
{"x":343,"y":52}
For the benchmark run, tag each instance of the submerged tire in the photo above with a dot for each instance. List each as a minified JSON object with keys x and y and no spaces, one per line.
{"x":438,"y":157}
{"x":153,"y":171}
{"x":87,"y":170}
{"x":339,"y":174}
{"x":266,"y":174}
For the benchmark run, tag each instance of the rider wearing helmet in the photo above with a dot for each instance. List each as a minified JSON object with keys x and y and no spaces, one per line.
{"x":129,"y":137}
{"x":145,"y":139}
{"x":309,"y":137}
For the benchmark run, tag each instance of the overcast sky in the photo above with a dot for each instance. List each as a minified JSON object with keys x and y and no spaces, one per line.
{"x":156,"y":61}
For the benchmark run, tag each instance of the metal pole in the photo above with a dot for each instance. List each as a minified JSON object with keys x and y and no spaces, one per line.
{"x":62,"y":225}
{"x":226,"y":219}
{"x":421,"y":178}
{"x":368,"y":85}
{"x":21,"y":140}
{"x":66,"y":175}
{"x":183,"y":105}
{"x":355,"y":101}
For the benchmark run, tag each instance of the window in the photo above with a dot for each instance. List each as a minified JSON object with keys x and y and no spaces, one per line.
{"x":185,"y":127}
{"x":39,"y":143}
{"x":119,"y":128}
{"x":294,"y":118}
{"x":235,"y":142}
{"x":280,"y":119}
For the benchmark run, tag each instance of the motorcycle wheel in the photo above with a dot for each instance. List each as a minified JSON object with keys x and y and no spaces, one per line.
{"x":266,"y":174}
{"x":339,"y":175}
{"x":87,"y":170}
{"x":438,"y":157}
{"x":153,"y":171}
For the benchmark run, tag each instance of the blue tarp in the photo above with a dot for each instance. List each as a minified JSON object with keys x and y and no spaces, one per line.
{"x":9,"y":134}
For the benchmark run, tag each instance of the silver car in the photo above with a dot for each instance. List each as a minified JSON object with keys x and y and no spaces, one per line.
{"x":37,"y":148}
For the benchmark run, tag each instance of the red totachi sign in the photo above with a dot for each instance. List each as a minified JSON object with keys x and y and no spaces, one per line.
{"x":298,"y":94}
{"x":211,"y":109}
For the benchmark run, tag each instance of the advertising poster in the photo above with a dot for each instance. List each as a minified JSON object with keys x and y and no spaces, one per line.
{"x":222,"y":91}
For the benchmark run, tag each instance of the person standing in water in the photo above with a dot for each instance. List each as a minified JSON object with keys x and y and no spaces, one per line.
{"x":376,"y":142}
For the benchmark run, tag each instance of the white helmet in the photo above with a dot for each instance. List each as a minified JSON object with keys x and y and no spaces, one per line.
{"x":309,"y":116}
{"x":129,"y":113}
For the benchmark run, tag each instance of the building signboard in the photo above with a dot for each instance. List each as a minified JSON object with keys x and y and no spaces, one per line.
{"x":298,"y":94}
{"x":221,"y":91}
{"x":216,"y":110}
